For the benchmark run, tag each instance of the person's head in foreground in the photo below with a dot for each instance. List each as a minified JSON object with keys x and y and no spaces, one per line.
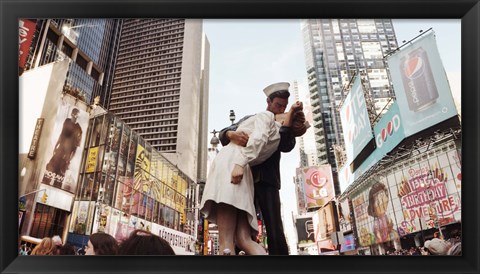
{"x":142,"y":242}
{"x":437,"y":246}
{"x":67,"y":249}
{"x":101,"y":244}
{"x":45,"y":247}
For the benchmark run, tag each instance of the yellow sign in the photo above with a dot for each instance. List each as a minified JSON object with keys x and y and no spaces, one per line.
{"x":91,"y":159}
{"x":205,"y":237}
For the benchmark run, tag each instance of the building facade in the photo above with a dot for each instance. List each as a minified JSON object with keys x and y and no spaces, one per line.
{"x":90,"y":44}
{"x":160,"y":86}
{"x":336,"y":50}
{"x":85,"y":171}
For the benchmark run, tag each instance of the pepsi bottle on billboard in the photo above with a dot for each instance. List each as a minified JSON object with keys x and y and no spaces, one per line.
{"x":420,"y":88}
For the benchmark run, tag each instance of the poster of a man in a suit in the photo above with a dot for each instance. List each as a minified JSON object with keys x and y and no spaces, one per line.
{"x":62,"y":168}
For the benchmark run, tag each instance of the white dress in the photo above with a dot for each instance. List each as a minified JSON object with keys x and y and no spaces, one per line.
{"x":263,"y":141}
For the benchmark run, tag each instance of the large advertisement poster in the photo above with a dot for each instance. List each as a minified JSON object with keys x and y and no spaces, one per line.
{"x":324,"y":222}
{"x":66,"y":146}
{"x":374,"y":215}
{"x":357,"y":130}
{"x":318,"y":182}
{"x":344,"y":217}
{"x":389,"y":132}
{"x":428,"y":193}
{"x":420,"y":84}
{"x":300,"y":190}
{"x":420,"y":194}
{"x":305,"y":231}
{"x":348,"y":243}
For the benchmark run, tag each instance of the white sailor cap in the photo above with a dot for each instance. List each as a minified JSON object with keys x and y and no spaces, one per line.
{"x":277,"y":87}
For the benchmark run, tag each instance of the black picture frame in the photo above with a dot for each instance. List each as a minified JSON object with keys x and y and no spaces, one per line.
{"x":12,"y":10}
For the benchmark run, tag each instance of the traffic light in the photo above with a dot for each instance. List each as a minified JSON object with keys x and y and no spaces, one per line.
{"x":44,"y":197}
{"x":183,"y":217}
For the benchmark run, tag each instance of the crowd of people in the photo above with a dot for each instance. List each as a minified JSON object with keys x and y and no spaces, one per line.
{"x":437,"y":246}
{"x":139,"y":242}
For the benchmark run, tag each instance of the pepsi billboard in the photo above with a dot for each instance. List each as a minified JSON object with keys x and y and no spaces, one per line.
{"x":420,"y":84}
{"x":357,"y":130}
{"x":423,"y":99}
{"x":389,"y":131}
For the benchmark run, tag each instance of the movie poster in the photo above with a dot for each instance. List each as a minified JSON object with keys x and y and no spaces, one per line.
{"x":66,"y":147}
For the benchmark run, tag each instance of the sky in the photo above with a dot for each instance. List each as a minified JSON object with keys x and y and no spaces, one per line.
{"x":247,"y":55}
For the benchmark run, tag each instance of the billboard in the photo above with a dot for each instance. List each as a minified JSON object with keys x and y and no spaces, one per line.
{"x":389,"y":132}
{"x":305,"y":231}
{"x":420,"y":84}
{"x":344,"y":217}
{"x":26,"y":30}
{"x":300,"y":190}
{"x":348,"y":243}
{"x":374,"y":214}
{"x":324,"y":222}
{"x":427,"y":192}
{"x":423,"y":99}
{"x":357,"y":130}
{"x":66,"y":146}
{"x":318,"y":185}
{"x":420,"y":194}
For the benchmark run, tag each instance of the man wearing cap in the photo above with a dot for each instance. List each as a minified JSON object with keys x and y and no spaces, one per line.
{"x":267,"y":174}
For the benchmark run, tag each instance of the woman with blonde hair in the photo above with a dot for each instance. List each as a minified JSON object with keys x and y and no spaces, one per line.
{"x":45,"y":247}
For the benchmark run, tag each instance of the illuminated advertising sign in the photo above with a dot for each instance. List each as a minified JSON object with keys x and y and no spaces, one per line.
{"x":305,"y":231}
{"x":348,"y":243}
{"x":91,"y":159}
{"x":424,"y":193}
{"x":374,"y":214}
{"x":428,"y":192}
{"x":420,"y":84}
{"x":389,"y":130}
{"x":323,"y":222}
{"x":318,"y":185}
{"x":344,"y":218}
{"x":388,"y":134}
{"x":423,"y":99}
{"x":26,"y":30}
{"x":357,"y":130}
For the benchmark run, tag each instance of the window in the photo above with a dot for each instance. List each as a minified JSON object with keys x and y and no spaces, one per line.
{"x":48,"y":221}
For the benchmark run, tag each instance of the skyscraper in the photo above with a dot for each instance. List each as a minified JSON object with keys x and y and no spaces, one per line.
{"x":335,"y":51}
{"x":308,"y":151}
{"x":90,"y":44}
{"x":160,"y":87}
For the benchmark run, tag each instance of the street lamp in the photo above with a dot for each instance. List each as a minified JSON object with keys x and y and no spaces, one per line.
{"x":215,"y":141}
{"x":232,"y":116}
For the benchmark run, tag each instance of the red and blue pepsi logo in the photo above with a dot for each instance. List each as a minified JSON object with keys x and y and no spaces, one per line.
{"x":414,"y":67}
{"x":391,"y":127}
